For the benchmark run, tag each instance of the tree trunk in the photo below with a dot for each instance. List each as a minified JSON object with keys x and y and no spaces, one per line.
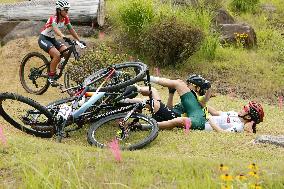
{"x":81,"y":12}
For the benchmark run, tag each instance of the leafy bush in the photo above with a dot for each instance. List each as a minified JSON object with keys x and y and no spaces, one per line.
{"x":244,"y":5}
{"x":169,"y":41}
{"x":209,"y":46}
{"x":93,"y":60}
{"x":135,"y":14}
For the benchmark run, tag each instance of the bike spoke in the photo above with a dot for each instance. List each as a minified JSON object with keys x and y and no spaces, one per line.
{"x":133,"y":132}
{"x":33,"y":73}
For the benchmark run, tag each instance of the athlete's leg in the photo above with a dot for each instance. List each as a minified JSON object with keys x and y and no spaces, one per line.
{"x":55,"y":54}
{"x":178,"y":84}
{"x":62,"y":48}
{"x":170,"y":124}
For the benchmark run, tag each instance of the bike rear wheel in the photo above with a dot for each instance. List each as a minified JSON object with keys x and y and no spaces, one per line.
{"x":33,"y":73}
{"x":26,"y":115}
{"x":126,"y":74}
{"x":142,"y":131}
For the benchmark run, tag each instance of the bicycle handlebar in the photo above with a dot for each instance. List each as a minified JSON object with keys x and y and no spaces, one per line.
{"x":73,"y":42}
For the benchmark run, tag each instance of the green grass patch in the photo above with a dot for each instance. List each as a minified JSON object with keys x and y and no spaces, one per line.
{"x":173,"y":160}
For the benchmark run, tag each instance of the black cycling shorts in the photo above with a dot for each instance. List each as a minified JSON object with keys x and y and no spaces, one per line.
{"x":164,"y":113}
{"x":46,"y":43}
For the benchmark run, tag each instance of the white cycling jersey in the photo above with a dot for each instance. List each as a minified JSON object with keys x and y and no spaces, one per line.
{"x":48,"y":31}
{"x":228,"y":121}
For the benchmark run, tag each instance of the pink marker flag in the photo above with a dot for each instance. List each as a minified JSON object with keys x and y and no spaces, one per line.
{"x":157,"y":71}
{"x":280,"y":102}
{"x":101,"y":35}
{"x":114,"y":147}
{"x":187,"y":125}
{"x":2,"y":137}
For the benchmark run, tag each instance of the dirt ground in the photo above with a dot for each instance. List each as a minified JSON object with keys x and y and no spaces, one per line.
{"x":10,"y":57}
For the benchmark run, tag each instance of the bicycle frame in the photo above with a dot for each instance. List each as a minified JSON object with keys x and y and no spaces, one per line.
{"x":71,"y":49}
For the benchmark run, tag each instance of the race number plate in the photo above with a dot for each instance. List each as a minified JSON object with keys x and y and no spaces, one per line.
{"x":64,"y":111}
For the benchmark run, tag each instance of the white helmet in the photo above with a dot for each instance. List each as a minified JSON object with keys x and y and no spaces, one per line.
{"x":61,"y":4}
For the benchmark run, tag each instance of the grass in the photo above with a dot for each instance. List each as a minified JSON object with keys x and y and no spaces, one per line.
{"x":173,"y":160}
{"x":10,"y":1}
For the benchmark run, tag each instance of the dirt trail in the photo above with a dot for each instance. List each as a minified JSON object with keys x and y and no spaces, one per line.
{"x":10,"y":57}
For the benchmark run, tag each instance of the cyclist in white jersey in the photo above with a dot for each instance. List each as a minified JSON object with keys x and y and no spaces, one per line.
{"x":47,"y":40}
{"x":244,"y":120}
{"x":227,"y":121}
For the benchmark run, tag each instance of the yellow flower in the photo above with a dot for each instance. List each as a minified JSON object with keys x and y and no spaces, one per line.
{"x":254,"y":174}
{"x":222,"y":167}
{"x":241,"y":177}
{"x":253,"y":166}
{"x":255,"y":186}
{"x":226,"y":177}
{"x":226,"y":187}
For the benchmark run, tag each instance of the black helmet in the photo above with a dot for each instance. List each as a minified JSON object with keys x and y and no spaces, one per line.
{"x":196,"y":80}
{"x":199,"y":81}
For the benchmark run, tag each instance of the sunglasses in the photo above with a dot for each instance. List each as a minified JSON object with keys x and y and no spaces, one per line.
{"x":66,"y":10}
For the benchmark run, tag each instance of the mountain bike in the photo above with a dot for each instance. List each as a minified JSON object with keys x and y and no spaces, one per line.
{"x":35,"y":66}
{"x":109,"y":118}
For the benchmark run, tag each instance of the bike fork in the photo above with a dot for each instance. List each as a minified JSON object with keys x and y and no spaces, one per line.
{"x":60,"y":130}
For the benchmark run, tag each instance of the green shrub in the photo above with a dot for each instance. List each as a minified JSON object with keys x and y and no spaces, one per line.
{"x":93,"y":60}
{"x":209,"y":46}
{"x":244,"y":5}
{"x":135,"y":14}
{"x":169,"y":41}
{"x":200,"y":18}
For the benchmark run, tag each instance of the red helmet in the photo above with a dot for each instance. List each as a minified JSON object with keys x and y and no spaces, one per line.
{"x":256,"y":111}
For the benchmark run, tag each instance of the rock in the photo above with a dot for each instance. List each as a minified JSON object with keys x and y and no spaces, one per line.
{"x":276,"y":140}
{"x":222,"y":17}
{"x":232,"y":33}
{"x":6,"y":27}
{"x":24,"y":29}
{"x":84,"y":31}
{"x":268,"y":7}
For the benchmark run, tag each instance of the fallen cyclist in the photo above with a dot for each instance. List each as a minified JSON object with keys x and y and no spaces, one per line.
{"x":244,"y":120}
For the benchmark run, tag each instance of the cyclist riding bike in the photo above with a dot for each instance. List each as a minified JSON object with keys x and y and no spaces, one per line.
{"x":47,"y":40}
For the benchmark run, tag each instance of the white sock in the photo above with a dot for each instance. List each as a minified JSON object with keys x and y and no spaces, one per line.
{"x":154,"y":79}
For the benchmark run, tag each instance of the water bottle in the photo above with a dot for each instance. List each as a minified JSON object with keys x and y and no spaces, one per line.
{"x":60,"y":64}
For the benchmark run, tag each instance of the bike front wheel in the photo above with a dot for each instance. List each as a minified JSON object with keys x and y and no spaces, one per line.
{"x":33,"y":73}
{"x":26,"y":115}
{"x":69,"y":82}
{"x":142,"y":130}
{"x":125,"y":74}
